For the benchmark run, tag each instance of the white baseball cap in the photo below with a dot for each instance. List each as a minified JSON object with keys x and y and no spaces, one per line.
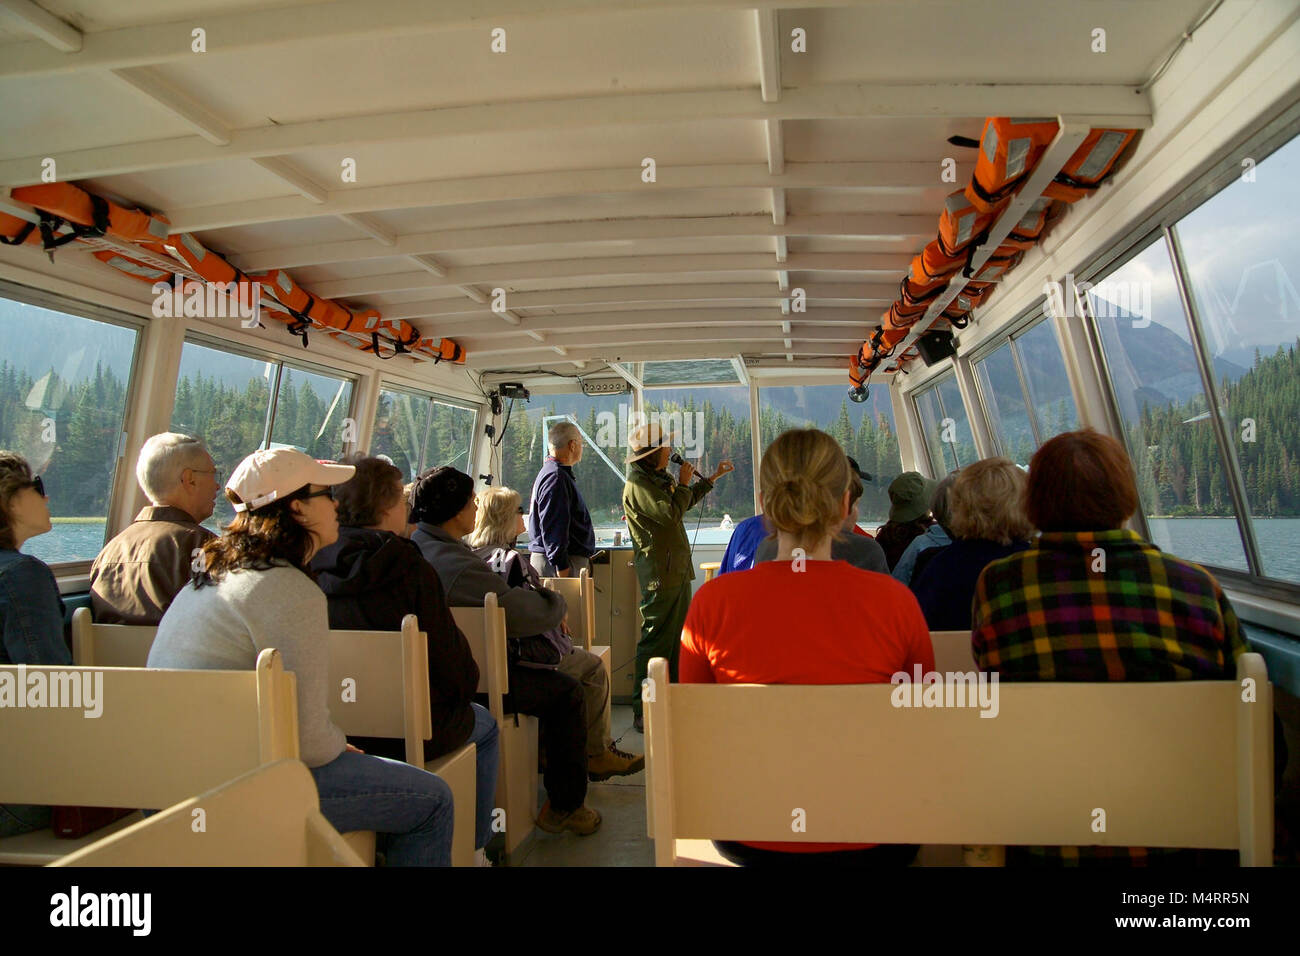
{"x":269,"y":475}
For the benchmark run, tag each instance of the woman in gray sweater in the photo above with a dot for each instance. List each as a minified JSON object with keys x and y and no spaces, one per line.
{"x":253,"y":592}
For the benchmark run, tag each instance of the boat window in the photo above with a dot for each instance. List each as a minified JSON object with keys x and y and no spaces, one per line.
{"x":310,"y":413}
{"x":227,"y":398}
{"x":1003,"y":397}
{"x":63,"y":389}
{"x":712,"y":424}
{"x":419,"y":431}
{"x":948,"y":437}
{"x":600,"y":475}
{"x":1025,"y":392}
{"x":866,"y":431}
{"x":1242,"y":260}
{"x":1046,"y":380}
{"x":1183,"y":481}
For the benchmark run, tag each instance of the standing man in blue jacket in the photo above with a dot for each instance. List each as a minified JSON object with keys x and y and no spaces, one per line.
{"x":561,"y":539}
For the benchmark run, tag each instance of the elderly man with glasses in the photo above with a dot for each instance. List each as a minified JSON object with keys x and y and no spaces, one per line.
{"x":561,"y":537}
{"x":139,"y":572}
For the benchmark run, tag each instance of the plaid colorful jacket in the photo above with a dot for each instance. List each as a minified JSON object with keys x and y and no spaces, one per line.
{"x":1098,"y":606}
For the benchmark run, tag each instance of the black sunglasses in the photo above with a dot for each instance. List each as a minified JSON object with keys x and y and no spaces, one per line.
{"x":327,"y":492}
{"x":39,"y":486}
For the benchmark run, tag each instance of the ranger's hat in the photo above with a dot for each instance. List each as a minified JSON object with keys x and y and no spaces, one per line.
{"x":647,"y":439}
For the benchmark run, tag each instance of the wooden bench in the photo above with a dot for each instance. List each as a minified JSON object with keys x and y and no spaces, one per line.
{"x":952,"y":651}
{"x":267,"y":817}
{"x":123,"y":645}
{"x":109,"y":645}
{"x":580,"y":598}
{"x":380,"y":688}
{"x":162,"y":737}
{"x":485,"y":629}
{"x":1171,"y":764}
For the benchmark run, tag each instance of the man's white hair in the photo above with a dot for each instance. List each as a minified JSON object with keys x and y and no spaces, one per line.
{"x":163,"y":458}
{"x":561,"y":434}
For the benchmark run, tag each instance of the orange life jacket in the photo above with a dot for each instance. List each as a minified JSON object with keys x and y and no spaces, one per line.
{"x":1091,"y":164}
{"x":961,"y":223}
{"x":1009,"y":149}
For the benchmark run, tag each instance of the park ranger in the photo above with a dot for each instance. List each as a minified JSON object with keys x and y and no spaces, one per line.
{"x":655,"y":505}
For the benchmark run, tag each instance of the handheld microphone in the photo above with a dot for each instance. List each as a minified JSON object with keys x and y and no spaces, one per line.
{"x":676,"y":459}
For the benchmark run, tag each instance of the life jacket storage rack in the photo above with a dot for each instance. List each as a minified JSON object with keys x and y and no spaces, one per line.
{"x":1022,"y":209}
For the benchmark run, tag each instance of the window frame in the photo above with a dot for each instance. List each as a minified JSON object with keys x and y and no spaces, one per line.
{"x":932,"y":385}
{"x":389,"y":385}
{"x":77,"y":308}
{"x":202,"y":340}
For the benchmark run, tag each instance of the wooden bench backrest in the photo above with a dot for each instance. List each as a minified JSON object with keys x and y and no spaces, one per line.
{"x":162,"y":735}
{"x":109,"y":645}
{"x":580,"y":598}
{"x":1177,"y":764}
{"x":485,"y":630}
{"x":267,"y":817}
{"x":952,"y":651}
{"x":389,"y":693}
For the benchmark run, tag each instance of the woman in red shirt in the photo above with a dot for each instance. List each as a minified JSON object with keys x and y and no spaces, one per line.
{"x":852,"y":626}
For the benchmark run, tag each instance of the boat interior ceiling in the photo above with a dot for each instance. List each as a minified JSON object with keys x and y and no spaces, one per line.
{"x":561,"y":186}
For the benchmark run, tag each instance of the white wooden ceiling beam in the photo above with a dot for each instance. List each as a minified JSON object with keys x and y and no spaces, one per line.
{"x":656,"y":352}
{"x":767,"y":33}
{"x":45,"y":26}
{"x":641,"y":297}
{"x":561,"y":184}
{"x":511,"y":272}
{"x":370,"y":228}
{"x":736,"y":319}
{"x":873,"y":226}
{"x":274,"y":29}
{"x":189,"y":111}
{"x":492,"y":347}
{"x":1103,"y":105}
{"x":305,"y":186}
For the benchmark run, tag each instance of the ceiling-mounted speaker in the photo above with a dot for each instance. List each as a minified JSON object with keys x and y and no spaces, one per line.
{"x":936,"y":346}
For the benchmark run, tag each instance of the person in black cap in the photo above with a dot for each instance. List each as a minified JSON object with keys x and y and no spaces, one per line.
{"x":444,"y":506}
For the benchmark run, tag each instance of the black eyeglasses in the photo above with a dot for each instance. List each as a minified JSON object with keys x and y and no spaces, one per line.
{"x":39,"y":486}
{"x":326,"y":492}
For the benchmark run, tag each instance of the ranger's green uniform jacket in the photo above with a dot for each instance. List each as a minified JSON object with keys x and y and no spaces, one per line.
{"x":655,"y":505}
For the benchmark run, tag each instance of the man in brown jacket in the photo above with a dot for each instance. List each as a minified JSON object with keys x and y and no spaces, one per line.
{"x":139,"y":572}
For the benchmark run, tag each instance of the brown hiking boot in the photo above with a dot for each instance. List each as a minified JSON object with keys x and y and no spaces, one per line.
{"x":582,"y":821}
{"x":613,"y":763}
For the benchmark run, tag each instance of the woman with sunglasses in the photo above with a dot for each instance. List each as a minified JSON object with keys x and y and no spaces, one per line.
{"x":31,"y":612}
{"x":253,"y":591}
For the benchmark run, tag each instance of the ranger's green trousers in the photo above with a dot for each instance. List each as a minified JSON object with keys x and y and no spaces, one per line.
{"x":663,"y":612}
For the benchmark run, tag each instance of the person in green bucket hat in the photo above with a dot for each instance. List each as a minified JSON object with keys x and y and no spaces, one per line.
{"x":909,"y":514}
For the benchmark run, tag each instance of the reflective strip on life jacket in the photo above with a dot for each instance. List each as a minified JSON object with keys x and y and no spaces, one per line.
{"x":961,"y":222}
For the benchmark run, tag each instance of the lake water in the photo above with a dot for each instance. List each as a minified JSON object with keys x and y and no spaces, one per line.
{"x":1213,"y":541}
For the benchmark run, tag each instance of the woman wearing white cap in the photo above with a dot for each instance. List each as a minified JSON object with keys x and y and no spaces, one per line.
{"x":254,"y":592}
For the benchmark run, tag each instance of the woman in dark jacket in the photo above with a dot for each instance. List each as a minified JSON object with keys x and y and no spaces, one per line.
{"x":987,"y":520}
{"x":31,"y":611}
{"x":373,"y":577}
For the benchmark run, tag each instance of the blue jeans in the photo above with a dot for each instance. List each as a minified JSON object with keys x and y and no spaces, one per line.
{"x":485,"y":738}
{"x":409,"y":809}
